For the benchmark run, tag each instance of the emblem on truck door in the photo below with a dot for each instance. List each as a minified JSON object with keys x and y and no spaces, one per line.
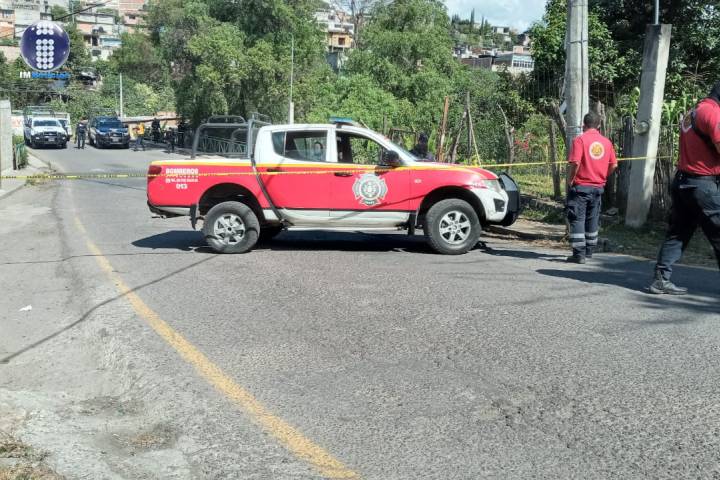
{"x":370,"y":189}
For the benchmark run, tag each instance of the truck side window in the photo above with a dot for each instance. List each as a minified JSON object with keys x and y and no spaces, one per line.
{"x":357,"y":149}
{"x":301,"y":145}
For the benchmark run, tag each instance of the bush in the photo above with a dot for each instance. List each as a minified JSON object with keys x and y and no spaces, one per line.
{"x":20,"y":152}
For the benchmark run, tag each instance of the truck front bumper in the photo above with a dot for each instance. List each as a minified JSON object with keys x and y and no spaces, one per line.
{"x":513,"y":192}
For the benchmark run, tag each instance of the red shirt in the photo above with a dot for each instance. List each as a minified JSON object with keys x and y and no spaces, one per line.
{"x":593,"y":154}
{"x":696,"y":155}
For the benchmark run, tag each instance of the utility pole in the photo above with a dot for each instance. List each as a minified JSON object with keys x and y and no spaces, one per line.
{"x":6,"y":146}
{"x":577,"y":70}
{"x":291,"y":106}
{"x":121,"y":97}
{"x":647,"y":125}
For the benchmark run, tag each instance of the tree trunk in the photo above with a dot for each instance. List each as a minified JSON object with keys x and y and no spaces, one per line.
{"x":456,"y":141}
{"x":623,"y":180}
{"x":509,"y":138}
{"x":554,"y":165}
{"x":443,"y":128}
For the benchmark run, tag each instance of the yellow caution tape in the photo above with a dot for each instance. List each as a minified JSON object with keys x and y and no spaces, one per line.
{"x":317,"y":171}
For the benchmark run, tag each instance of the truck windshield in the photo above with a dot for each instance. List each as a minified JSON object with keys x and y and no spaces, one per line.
{"x":110,"y":124}
{"x":46,"y":123}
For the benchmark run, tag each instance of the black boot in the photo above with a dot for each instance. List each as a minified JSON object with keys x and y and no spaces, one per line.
{"x":575,"y":259}
{"x":661,"y":286}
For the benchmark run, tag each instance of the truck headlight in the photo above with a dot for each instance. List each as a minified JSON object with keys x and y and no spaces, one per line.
{"x":492,"y":185}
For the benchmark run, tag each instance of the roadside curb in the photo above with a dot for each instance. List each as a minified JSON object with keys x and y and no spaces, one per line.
{"x":527,"y":235}
{"x":34,"y":166}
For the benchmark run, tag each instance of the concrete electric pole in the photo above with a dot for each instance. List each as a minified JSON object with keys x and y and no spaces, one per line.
{"x":577,"y":69}
{"x":647,"y":125}
{"x":6,"y":146}
{"x":121,"y":98}
{"x":291,"y":105}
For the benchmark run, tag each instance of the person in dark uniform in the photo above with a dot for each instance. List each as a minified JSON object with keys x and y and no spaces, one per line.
{"x":592,"y":160}
{"x":420,"y":150}
{"x":80,"y":133}
{"x":155,"y":130}
{"x":170,"y":137}
{"x":695,"y":190}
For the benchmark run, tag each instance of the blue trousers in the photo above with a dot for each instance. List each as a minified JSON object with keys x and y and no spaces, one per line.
{"x":695,"y":202}
{"x":583,"y":214}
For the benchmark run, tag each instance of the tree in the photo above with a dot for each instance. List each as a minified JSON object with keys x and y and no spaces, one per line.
{"x":58,"y":12}
{"x":693,"y":65}
{"x":549,"y":45}
{"x":79,"y":57}
{"x":138,"y":58}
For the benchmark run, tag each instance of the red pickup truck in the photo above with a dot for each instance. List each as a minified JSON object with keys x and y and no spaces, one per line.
{"x":336,"y":176}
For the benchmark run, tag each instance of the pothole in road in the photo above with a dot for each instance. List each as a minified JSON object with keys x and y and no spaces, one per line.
{"x":158,"y":437}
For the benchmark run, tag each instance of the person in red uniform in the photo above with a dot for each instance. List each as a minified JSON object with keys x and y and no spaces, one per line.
{"x":592,"y":160}
{"x":695,"y":190}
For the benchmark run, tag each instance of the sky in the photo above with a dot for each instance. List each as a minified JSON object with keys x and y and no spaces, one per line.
{"x":518,"y":14}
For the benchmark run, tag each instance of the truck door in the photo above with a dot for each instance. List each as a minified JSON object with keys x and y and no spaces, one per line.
{"x":297,"y":173}
{"x":364,"y":193}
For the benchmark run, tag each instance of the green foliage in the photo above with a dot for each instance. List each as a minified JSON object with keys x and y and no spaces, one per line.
{"x":58,"y":11}
{"x":138,"y":59}
{"x":549,"y":45}
{"x":693,"y":65}
{"x":79,"y":56}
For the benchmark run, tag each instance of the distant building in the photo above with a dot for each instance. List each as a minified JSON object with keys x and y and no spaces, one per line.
{"x":101,"y":33}
{"x":339,"y":30}
{"x":7,"y":23}
{"x":132,"y":21}
{"x":504,"y":32}
{"x":339,"y":34}
{"x":514,"y":63}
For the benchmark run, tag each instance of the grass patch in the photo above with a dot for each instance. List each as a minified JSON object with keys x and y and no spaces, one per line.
{"x":534,"y":184}
{"x":19,"y":461}
{"x":645,"y":242}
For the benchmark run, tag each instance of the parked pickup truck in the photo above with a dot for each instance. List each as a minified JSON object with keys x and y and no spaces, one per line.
{"x":45,"y":131}
{"x":336,"y":176}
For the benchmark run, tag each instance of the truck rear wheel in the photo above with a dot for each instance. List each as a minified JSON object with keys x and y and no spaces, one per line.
{"x":231,"y":227}
{"x":452,"y":227}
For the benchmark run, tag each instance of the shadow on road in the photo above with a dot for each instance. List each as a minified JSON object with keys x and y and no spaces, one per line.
{"x":636,"y":275}
{"x":188,"y":240}
{"x":185,"y":240}
{"x":524,"y":254}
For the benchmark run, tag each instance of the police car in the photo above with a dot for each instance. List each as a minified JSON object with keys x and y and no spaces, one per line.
{"x":338,"y":176}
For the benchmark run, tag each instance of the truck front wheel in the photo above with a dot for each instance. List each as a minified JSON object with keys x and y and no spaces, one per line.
{"x":452,"y":227}
{"x":231,"y":227}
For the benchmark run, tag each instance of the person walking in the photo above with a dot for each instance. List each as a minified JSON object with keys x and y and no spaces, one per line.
{"x":80,"y":130}
{"x":592,"y":160}
{"x":695,"y":191}
{"x":139,"y":134}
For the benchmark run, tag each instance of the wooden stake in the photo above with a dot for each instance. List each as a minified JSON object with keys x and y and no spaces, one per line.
{"x":443,"y":127}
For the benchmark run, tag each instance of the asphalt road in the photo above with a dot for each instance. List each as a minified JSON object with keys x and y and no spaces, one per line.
{"x":396,"y":362}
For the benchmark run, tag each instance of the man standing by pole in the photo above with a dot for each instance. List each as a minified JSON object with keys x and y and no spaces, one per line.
{"x":592,"y":160}
{"x":695,"y":190}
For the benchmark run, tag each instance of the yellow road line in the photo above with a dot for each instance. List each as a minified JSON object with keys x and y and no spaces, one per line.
{"x":287,"y":435}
